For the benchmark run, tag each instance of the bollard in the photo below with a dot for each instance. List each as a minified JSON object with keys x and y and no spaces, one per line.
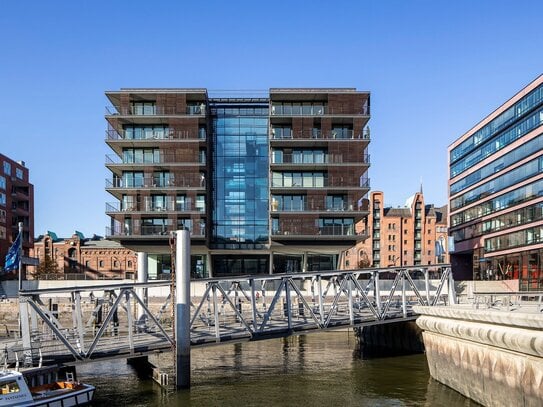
{"x":182,"y":309}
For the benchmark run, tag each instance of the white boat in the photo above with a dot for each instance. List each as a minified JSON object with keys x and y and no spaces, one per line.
{"x":15,"y":392}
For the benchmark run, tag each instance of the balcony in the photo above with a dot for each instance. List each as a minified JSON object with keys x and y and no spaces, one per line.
{"x":297,"y":230}
{"x":196,"y":110}
{"x":316,"y":134}
{"x":329,"y":182}
{"x":149,"y":207}
{"x":179,"y":182}
{"x":316,"y":110}
{"x":347,"y":206}
{"x":169,"y":134}
{"x":316,"y":160}
{"x":152,"y":231}
{"x":162,"y":157}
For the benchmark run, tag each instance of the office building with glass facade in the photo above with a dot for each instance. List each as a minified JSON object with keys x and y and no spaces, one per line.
{"x":496,"y":193}
{"x":265,"y":184}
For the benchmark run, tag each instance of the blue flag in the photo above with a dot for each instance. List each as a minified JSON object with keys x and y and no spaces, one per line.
{"x":14,"y":252}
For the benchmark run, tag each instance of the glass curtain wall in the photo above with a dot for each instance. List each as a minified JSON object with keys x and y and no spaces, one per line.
{"x":240,"y":176}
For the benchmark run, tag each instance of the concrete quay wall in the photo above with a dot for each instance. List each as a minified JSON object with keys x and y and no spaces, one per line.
{"x":493,"y":357}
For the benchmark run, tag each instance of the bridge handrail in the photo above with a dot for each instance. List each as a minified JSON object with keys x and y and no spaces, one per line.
{"x":325,"y":273}
{"x":101,"y":287}
{"x":508,"y":299}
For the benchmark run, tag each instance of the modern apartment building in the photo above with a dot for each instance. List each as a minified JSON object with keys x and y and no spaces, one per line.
{"x":415,"y":234}
{"x":16,"y":205}
{"x":265,"y":184}
{"x":496,"y":193}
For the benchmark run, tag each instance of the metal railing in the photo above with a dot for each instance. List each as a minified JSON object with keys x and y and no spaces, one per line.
{"x":316,"y":110}
{"x":160,"y":157}
{"x":278,"y":134}
{"x":155,"y":110}
{"x":168,"y":134}
{"x":168,"y":206}
{"x":509,"y":301}
{"x":289,"y":158}
{"x":178,"y":181}
{"x":115,"y":320}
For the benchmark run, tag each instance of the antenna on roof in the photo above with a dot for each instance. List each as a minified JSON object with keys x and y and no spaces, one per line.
{"x":421,"y":185}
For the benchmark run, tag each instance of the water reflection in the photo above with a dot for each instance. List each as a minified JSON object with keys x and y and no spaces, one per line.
{"x":318,"y":370}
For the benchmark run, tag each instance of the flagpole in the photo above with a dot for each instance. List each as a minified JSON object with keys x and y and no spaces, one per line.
{"x":21,"y":257}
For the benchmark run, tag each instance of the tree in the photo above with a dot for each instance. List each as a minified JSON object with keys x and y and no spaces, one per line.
{"x":47,"y":266}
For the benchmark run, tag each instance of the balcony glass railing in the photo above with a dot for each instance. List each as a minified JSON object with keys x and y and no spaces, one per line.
{"x":316,"y":159}
{"x":298,"y":229}
{"x":316,"y":207}
{"x":318,"y":134}
{"x":293,"y":109}
{"x":167,"y":206}
{"x":155,"y":110}
{"x":156,"y":157}
{"x":112,"y":134}
{"x":153,"y":230}
{"x":180,"y":181}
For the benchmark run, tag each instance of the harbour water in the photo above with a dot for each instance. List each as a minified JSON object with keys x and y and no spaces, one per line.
{"x":322,"y":369}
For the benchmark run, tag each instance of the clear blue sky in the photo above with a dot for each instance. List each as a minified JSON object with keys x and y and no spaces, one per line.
{"x":435,"y":68}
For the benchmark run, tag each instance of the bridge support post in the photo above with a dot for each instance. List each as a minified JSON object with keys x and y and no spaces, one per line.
{"x":143,"y":275}
{"x":182,"y":311}
{"x":452,"y":291}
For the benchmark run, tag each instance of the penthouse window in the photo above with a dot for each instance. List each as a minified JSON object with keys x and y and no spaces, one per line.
{"x":144,"y":108}
{"x":298,"y":109}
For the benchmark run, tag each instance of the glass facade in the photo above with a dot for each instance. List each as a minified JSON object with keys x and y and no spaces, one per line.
{"x":496,"y":200}
{"x":240,"y":176}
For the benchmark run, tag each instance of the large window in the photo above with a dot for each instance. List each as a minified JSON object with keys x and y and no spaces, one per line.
{"x":499,"y":142}
{"x":144,"y":108}
{"x":512,"y":177}
{"x":240,"y":179}
{"x":299,"y":179}
{"x":146,"y":132}
{"x":133,"y":179}
{"x":141,"y":155}
{"x":503,"y":120}
{"x":2,"y":182}
{"x":7,"y":168}
{"x":499,"y":203}
{"x":290,"y":203}
{"x":499,"y":164}
{"x":2,"y":199}
{"x":516,"y":239}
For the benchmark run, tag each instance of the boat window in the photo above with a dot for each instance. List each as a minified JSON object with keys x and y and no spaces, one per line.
{"x":10,"y":387}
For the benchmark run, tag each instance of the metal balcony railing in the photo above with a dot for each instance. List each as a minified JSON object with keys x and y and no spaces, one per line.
{"x":351,"y":206}
{"x":120,"y":207}
{"x":179,"y":181}
{"x":316,"y":110}
{"x":318,"y":159}
{"x":298,"y":229}
{"x":156,"y":111}
{"x":153,"y":230}
{"x":112,"y":134}
{"x":278,"y":134}
{"x":161,"y":157}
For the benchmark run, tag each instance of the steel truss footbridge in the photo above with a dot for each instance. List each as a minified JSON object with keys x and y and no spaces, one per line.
{"x":128,"y":320}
